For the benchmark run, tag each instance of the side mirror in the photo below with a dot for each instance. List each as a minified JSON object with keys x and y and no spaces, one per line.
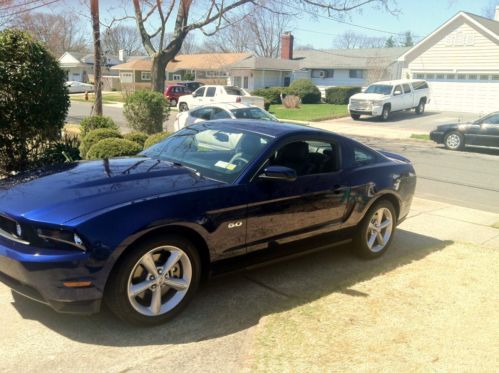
{"x":397,"y":93}
{"x":278,"y":173}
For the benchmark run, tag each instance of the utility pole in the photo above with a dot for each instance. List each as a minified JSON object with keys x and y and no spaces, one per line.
{"x":94,"y":11}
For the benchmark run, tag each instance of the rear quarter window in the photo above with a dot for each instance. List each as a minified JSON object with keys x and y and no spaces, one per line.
{"x":234,"y":91}
{"x":357,"y":156}
{"x":419,"y":85}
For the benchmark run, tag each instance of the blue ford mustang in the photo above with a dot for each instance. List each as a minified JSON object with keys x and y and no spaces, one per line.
{"x":140,"y":232}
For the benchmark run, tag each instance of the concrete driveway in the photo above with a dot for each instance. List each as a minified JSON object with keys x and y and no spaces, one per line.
{"x":408,"y":120}
{"x":325,"y":311}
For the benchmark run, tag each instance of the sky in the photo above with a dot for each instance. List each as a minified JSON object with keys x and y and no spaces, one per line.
{"x":421,"y":17}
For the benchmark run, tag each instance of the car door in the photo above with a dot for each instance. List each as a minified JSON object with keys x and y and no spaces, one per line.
{"x":397,"y":98}
{"x":488,"y":133}
{"x":408,"y":96}
{"x":316,"y":202}
{"x":198,"y":96}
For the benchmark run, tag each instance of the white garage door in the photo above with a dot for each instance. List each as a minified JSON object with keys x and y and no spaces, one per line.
{"x":466,"y":96}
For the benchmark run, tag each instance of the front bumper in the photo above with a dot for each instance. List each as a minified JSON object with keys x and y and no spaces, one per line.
{"x":41,"y":275}
{"x":371,"y":110}
{"x":437,"y":136}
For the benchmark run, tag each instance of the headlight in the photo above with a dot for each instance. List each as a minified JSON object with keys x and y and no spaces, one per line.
{"x":61,"y":236}
{"x":376,"y":102}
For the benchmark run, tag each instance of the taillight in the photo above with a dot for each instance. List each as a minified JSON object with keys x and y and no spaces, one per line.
{"x":238,"y":99}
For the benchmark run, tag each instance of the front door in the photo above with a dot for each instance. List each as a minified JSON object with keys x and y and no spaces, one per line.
{"x":484,"y":133}
{"x":315,"y":203}
{"x":398,"y":98}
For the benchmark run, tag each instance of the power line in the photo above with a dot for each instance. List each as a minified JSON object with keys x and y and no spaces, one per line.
{"x":28,"y":9}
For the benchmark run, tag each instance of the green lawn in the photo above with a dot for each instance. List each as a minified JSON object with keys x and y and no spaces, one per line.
{"x":310,"y":112}
{"x":420,"y":136}
{"x":107,"y":97}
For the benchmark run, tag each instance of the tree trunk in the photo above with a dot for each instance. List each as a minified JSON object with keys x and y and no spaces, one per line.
{"x":158,"y":73}
{"x":94,"y":10}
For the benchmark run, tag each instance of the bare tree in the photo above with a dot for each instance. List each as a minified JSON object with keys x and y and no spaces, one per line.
{"x":122,"y":37}
{"x":94,"y":12}
{"x":212,"y":13}
{"x":58,"y":32}
{"x":351,"y":40}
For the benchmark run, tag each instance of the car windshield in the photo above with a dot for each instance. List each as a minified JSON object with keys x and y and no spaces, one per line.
{"x":379,"y":88}
{"x":253,"y":113}
{"x":215,"y":151}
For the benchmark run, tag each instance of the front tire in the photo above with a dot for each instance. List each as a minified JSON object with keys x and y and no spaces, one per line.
{"x":155,"y":281}
{"x":385,"y":114}
{"x":375,"y":232}
{"x":454,"y":140}
{"x":355,"y":116}
{"x":183,"y":107}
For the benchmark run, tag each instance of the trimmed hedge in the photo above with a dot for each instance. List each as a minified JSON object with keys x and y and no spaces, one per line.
{"x":271,"y":95}
{"x":154,"y":139}
{"x":138,"y":137}
{"x":306,"y":90}
{"x":113,"y":147}
{"x":96,"y":121}
{"x":146,"y":111}
{"x":340,"y":95}
{"x":93,"y":137}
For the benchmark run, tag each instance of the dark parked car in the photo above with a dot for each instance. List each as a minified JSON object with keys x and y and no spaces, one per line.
{"x":191,"y":85}
{"x":482,"y":132}
{"x":140,"y":232}
{"x":174,"y":91}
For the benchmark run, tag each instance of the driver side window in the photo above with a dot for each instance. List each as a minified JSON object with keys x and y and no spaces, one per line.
{"x":307,"y":157}
{"x":494,"y":119}
{"x":397,"y":91}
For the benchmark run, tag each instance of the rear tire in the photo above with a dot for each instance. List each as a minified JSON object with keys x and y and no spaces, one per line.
{"x":420,"y":108}
{"x":385,"y":114}
{"x":454,"y":140}
{"x":183,"y":107}
{"x":375,"y":233}
{"x":355,"y":116}
{"x":173,"y":102}
{"x":155,"y":281}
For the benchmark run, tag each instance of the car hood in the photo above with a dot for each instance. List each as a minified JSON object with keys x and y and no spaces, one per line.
{"x":454,"y":126}
{"x":369,"y":96}
{"x":59,"y":195}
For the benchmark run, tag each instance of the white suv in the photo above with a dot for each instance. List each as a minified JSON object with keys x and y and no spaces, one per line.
{"x":382,"y":98}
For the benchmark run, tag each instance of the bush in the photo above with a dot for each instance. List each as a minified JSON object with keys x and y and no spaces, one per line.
{"x":93,"y":137}
{"x":272,"y":94}
{"x":33,"y":100}
{"x":146,"y":111}
{"x":291,"y":102}
{"x":113,"y":147}
{"x":62,"y":151}
{"x":340,"y":95}
{"x":96,"y":121}
{"x":154,"y":139}
{"x":138,"y":137}
{"x":306,"y":90}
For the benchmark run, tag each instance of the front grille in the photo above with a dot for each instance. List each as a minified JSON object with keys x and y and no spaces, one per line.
{"x":360,"y":105}
{"x":7,"y":225}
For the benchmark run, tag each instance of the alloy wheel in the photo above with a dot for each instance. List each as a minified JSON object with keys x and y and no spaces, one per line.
{"x":379,"y":230}
{"x":453,"y":141}
{"x":159,"y":280}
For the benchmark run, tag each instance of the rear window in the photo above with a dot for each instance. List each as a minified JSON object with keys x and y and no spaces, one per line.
{"x":419,"y":85}
{"x":234,"y":91}
{"x":252,"y":113}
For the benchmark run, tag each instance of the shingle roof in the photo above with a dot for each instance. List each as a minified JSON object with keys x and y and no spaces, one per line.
{"x":201,"y":61}
{"x":266,"y":63}
{"x":347,"y":58}
{"x":89,"y":59}
{"x":485,"y":22}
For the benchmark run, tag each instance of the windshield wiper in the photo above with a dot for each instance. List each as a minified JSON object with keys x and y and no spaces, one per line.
{"x":189,"y":168}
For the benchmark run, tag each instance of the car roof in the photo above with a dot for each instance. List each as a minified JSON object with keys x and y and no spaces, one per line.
{"x":273,"y":129}
{"x":228,"y":106}
{"x":399,"y":81}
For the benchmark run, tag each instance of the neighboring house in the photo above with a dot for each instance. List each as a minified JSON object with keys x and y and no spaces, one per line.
{"x":208,"y":68}
{"x":80,"y":67}
{"x":326,"y":68}
{"x":460,"y":60}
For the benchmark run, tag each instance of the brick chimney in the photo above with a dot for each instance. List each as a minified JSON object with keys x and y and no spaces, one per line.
{"x":497,"y":13}
{"x":287,"y":46}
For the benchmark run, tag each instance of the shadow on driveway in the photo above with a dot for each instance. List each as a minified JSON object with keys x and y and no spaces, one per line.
{"x":397,"y":116}
{"x":236,"y":302}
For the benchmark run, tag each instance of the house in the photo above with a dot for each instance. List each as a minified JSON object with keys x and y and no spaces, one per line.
{"x":460,"y":61}
{"x":203,"y":67}
{"x":80,"y":67}
{"x":326,"y":68}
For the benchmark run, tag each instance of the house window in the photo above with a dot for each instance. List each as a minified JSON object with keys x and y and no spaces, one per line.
{"x":177,"y":77}
{"x":145,"y":75}
{"x":495,"y":77}
{"x":451,"y":76}
{"x":126,"y":78}
{"x":484,"y":77}
{"x":440,"y":76}
{"x":461,"y":76}
{"x":237,"y":81}
{"x":419,"y":76}
{"x":356,"y":74}
{"x":473,"y":77}
{"x":430,"y":76}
